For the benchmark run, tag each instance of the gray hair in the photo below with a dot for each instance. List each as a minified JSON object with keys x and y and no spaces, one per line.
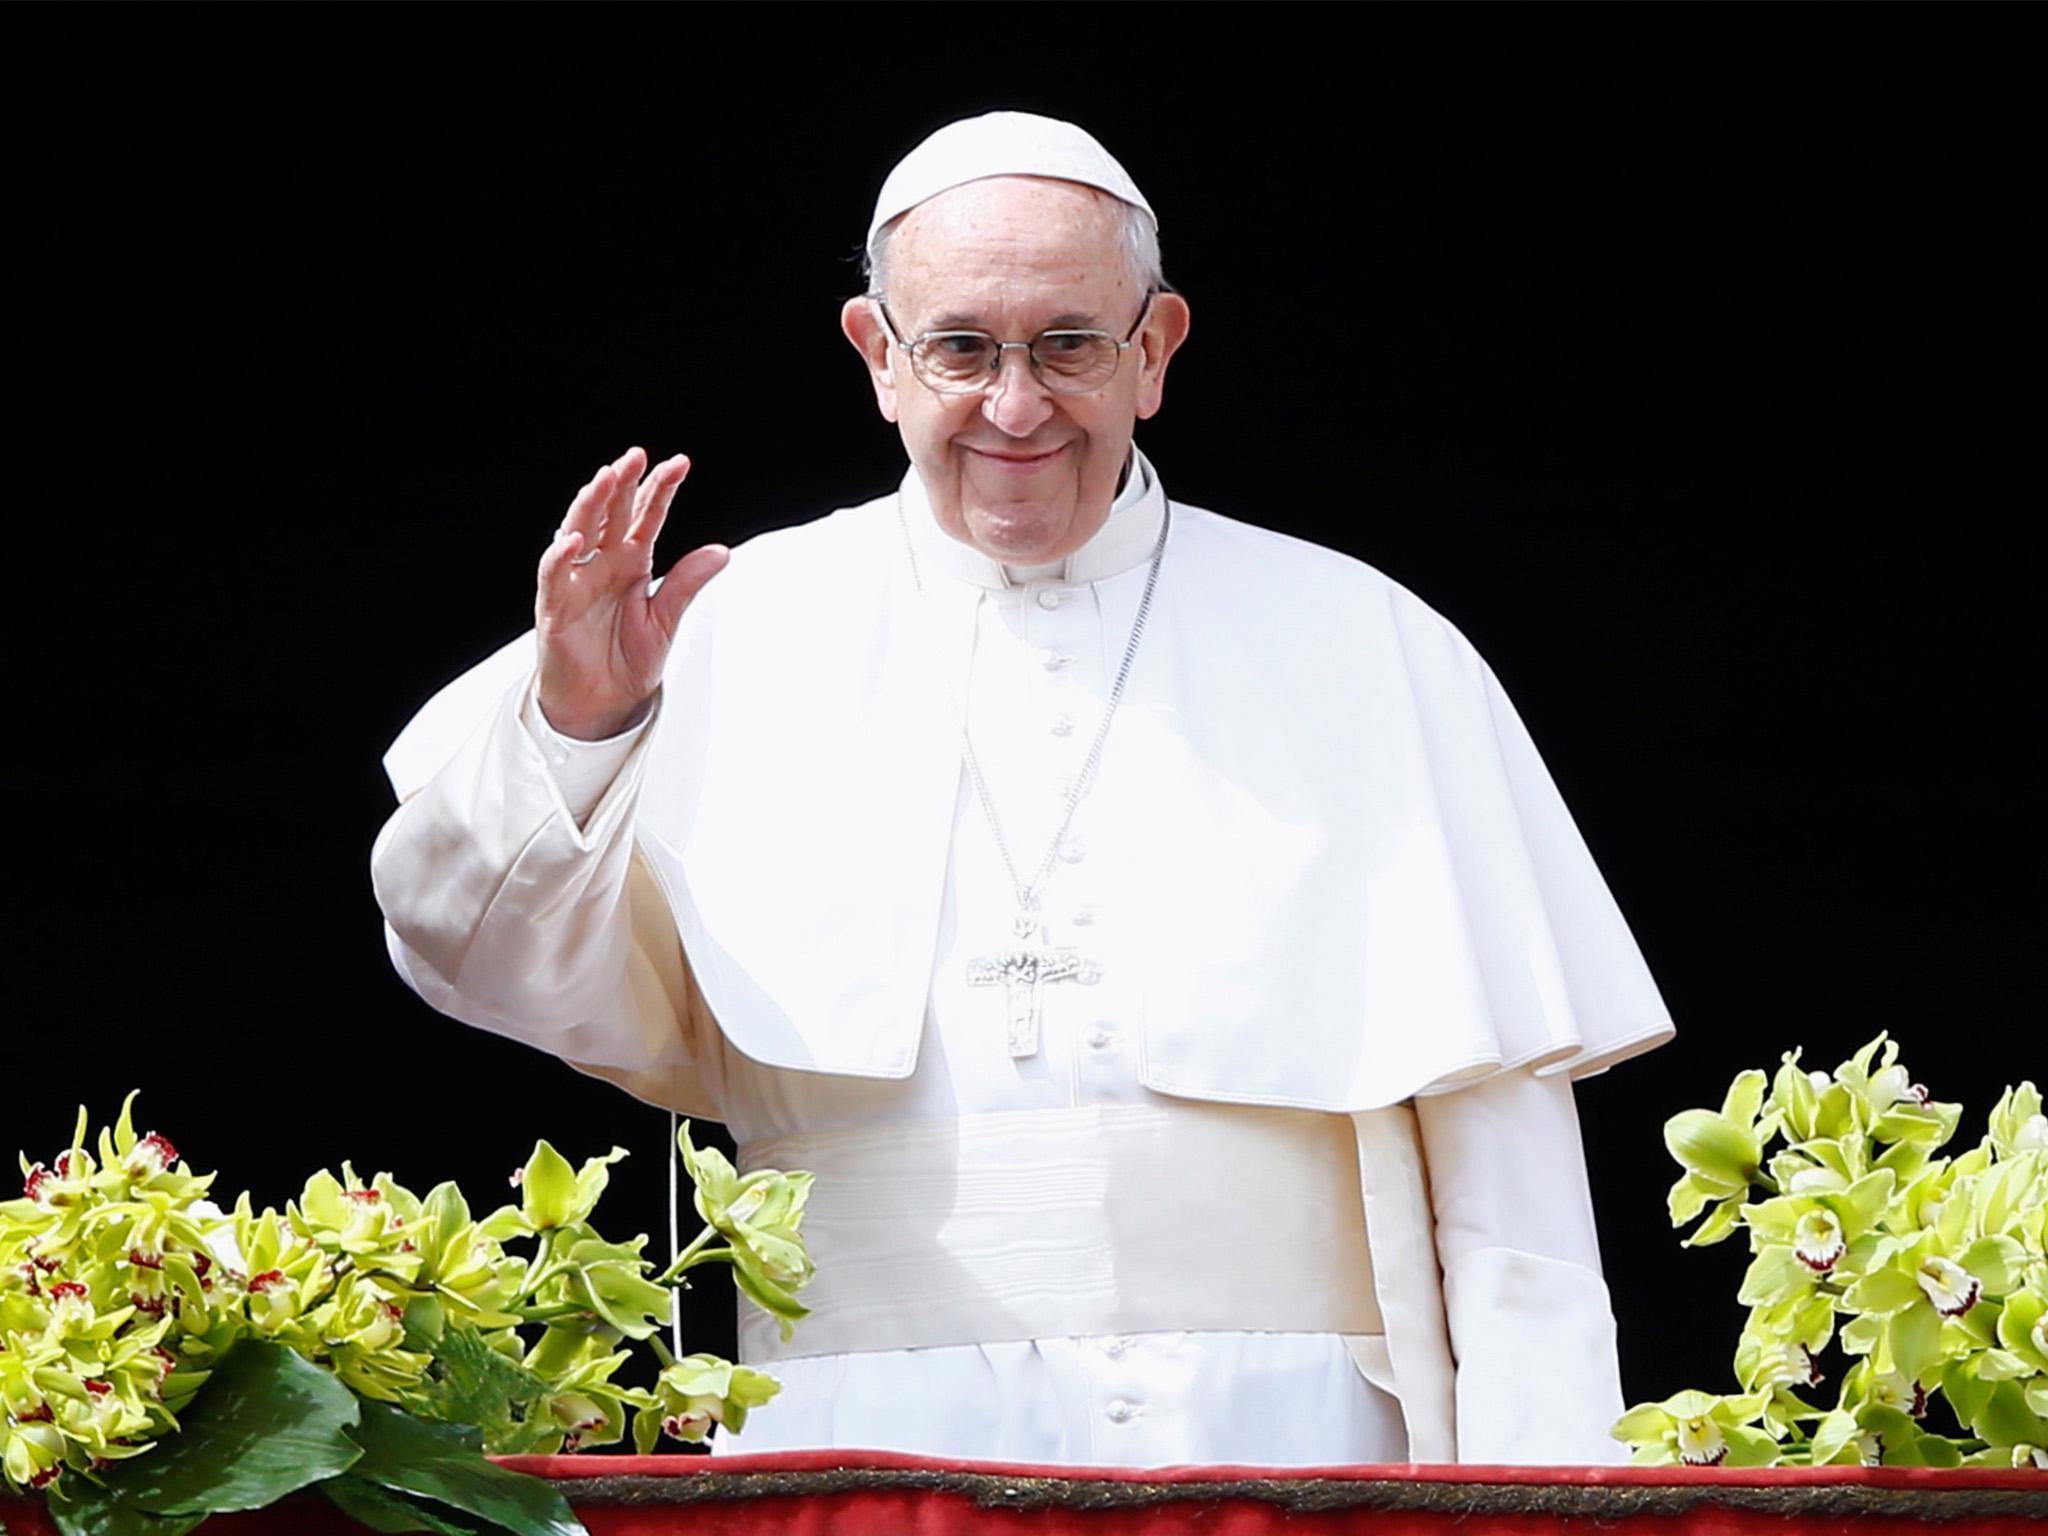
{"x":1140,"y":241}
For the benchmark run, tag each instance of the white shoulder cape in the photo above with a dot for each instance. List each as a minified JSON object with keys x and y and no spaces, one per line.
{"x":1360,"y":880}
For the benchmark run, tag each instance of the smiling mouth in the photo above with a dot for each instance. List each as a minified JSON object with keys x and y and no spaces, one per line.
{"x":1018,"y":460}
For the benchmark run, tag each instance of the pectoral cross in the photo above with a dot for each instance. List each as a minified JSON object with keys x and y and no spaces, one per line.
{"x":1022,"y":969}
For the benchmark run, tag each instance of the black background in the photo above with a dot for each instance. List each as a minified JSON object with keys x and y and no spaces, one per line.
{"x":1681,"y":356}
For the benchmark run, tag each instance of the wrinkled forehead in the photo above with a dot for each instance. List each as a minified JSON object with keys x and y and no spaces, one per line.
{"x":1012,"y":240}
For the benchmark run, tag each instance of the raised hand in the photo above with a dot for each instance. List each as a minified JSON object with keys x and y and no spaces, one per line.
{"x":603,"y":637}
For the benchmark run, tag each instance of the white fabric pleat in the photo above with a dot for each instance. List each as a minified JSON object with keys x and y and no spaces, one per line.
{"x":1100,"y":1219}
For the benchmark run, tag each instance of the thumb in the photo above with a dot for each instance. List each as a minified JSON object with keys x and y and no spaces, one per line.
{"x":685,"y":579}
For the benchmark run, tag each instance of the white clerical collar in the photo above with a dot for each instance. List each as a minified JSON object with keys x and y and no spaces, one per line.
{"x":1123,"y":542}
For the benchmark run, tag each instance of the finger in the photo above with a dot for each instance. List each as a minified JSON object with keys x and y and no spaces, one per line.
{"x":624,"y":483}
{"x":686,"y":578}
{"x":655,"y":497}
{"x":583,"y":515}
{"x":555,"y":584}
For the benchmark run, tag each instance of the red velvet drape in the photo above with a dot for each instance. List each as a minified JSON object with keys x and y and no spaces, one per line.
{"x":1463,"y":1500}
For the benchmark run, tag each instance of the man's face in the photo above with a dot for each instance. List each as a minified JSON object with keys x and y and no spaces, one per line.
{"x":1024,"y":475}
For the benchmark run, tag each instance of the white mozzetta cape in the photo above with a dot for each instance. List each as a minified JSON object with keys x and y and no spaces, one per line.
{"x":1360,"y":887}
{"x":1363,"y":883}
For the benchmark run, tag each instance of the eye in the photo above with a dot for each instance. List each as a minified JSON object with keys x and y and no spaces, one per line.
{"x":1065,"y":343}
{"x":958,"y":346}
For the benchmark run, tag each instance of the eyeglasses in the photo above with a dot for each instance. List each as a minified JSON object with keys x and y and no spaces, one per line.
{"x":1066,"y":362}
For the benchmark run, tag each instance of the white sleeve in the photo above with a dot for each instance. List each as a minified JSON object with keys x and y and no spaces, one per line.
{"x":514,"y":909}
{"x":582,"y":770}
{"x":1531,"y":1324}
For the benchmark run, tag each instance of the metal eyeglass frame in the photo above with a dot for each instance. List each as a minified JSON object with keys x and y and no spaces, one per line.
{"x":1031,"y":358}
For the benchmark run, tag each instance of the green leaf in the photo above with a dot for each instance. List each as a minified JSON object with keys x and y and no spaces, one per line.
{"x":382,"y":1510}
{"x":91,"y":1516}
{"x":439,"y":1462}
{"x":471,"y":1383}
{"x":267,"y":1424}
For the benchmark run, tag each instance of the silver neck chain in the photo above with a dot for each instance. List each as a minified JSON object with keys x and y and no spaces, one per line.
{"x":1027,"y":894}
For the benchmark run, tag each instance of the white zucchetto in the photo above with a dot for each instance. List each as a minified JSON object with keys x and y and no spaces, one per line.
{"x":1001,"y":144}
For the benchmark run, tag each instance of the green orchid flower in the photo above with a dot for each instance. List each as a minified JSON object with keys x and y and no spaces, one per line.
{"x":32,"y":1454}
{"x":1889,"y":1106}
{"x":359,"y":1334}
{"x":1879,"y":1433}
{"x":1698,"y":1429}
{"x":588,"y":1406}
{"x":2017,"y":1123}
{"x":121,"y":1288}
{"x":1722,"y":1155}
{"x":698,"y":1391}
{"x":610,"y":1280}
{"x":469,"y":1271}
{"x":552,"y":1194}
{"x":1779,"y":1352}
{"x":363,"y":1222}
{"x":2022,"y":1332}
{"x":760,"y":1216}
{"x":132,"y":1164}
{"x":1823,"y":1216}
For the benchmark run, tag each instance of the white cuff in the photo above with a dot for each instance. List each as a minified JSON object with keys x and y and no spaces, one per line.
{"x":582,"y":770}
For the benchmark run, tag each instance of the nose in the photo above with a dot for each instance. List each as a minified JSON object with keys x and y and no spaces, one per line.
{"x":1015,"y":403}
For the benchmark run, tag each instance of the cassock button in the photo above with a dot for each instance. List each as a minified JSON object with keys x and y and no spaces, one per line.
{"x":1050,"y":597}
{"x":1100,"y":1037}
{"x":1115,"y":1349}
{"x":1085,"y":914}
{"x":1072,"y":851}
{"x":1051,"y":659}
{"x":1122,"y":1412}
{"x":1089,"y":973}
{"x":1063,"y":725}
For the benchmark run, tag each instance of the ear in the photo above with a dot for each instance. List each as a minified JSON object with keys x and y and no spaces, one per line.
{"x":1165,"y":329}
{"x":862,"y":323}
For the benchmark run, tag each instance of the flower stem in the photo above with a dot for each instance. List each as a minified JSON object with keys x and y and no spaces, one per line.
{"x":549,"y":1313}
{"x":689,"y":1258}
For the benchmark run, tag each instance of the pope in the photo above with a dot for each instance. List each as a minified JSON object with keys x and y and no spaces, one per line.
{"x":1159,"y":935}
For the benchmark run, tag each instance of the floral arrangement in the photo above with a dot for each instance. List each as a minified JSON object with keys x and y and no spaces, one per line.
{"x":162,"y":1360}
{"x":1928,"y":1272}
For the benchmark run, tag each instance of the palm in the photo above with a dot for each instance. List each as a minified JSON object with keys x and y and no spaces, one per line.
{"x":603,"y":637}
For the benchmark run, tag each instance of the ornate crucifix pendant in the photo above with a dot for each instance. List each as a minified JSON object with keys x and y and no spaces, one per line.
{"x":1022,"y":970}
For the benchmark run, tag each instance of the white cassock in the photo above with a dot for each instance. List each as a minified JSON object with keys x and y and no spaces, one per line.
{"x":1331,"y":925}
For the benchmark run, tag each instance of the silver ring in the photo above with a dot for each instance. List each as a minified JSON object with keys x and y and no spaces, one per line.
{"x":585,"y":558}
